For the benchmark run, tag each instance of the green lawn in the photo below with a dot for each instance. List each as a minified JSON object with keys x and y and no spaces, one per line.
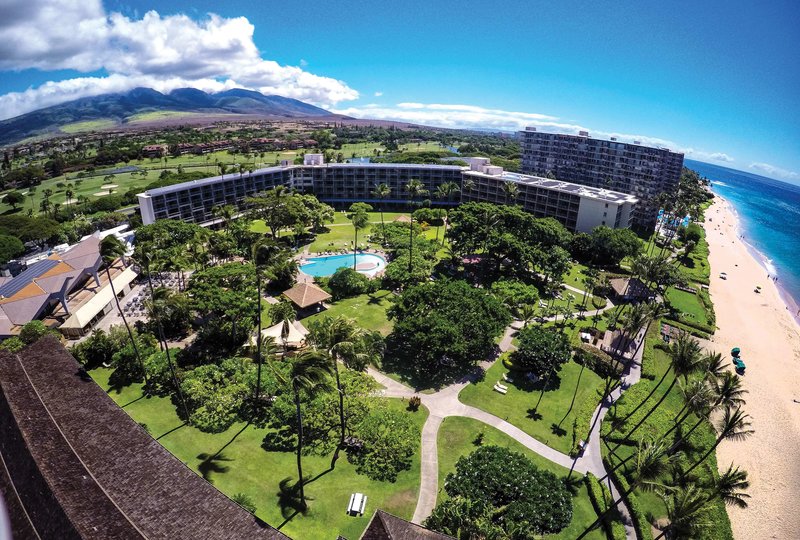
{"x":456,"y":439}
{"x":688,"y":304}
{"x":553,"y":425}
{"x":575,"y":275}
{"x":244,"y":467}
{"x":368,"y":311}
{"x":88,"y":125}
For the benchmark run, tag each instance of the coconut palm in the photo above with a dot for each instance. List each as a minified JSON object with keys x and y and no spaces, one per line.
{"x":309,"y":372}
{"x":360,"y":219}
{"x":415,"y":189}
{"x":510,"y":191}
{"x":734,"y":425}
{"x":264,"y":253}
{"x":144,"y":254}
{"x":686,"y":508}
{"x":685,"y":357}
{"x":446,"y":191}
{"x":112,"y":249}
{"x":467,"y":186}
{"x":342,"y":340}
{"x":650,"y":463}
{"x":728,"y":391}
{"x":382,"y":192}
{"x":730,"y":486}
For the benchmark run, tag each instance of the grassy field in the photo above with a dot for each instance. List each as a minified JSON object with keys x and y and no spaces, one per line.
{"x":575,"y":276}
{"x":552,"y":422}
{"x":88,"y":125}
{"x":456,"y":439}
{"x":161,"y":115}
{"x":688,"y":304}
{"x":368,"y":311}
{"x":242,"y":466}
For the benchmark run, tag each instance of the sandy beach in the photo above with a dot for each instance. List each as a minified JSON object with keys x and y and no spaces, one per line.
{"x":761,"y":325}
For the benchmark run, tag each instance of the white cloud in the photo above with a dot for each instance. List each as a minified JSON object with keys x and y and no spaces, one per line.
{"x":163,"y":52}
{"x":378,"y":94}
{"x":303,"y":62}
{"x":775,"y":172}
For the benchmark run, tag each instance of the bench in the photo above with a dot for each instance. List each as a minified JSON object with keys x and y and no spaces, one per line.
{"x":500,"y":388}
{"x":507,"y":378}
{"x":357,"y":503}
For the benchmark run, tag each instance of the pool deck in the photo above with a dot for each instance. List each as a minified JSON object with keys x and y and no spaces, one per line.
{"x":364,"y":267}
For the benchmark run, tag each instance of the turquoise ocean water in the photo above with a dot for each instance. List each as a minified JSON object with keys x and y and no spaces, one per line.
{"x":769,"y":211}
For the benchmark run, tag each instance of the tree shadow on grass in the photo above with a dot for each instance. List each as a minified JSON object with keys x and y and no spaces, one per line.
{"x":212,"y":463}
{"x":557,"y":430}
{"x":176,"y":428}
{"x":289,"y":500}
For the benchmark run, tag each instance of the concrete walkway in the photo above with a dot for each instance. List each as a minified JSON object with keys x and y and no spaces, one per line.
{"x":445,"y":403}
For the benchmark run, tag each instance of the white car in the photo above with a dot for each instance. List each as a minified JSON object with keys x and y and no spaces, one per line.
{"x":723,"y":275}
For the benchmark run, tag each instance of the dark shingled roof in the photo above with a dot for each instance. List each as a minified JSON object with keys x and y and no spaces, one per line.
{"x":385,"y":526}
{"x":80,"y":467}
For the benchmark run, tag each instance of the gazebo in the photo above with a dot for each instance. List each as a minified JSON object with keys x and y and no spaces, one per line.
{"x":306,"y":295}
{"x":402,"y":218}
{"x":294,"y":339}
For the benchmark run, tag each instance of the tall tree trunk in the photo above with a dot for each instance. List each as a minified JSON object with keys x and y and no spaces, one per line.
{"x":355,"y":247}
{"x":258,"y":342}
{"x":342,"y":424}
{"x":605,"y":514}
{"x":647,"y":415}
{"x":163,"y":339}
{"x":299,"y":418}
{"x":127,"y":326}
{"x":383,"y":226}
{"x":705,"y":456}
{"x":410,"y":245}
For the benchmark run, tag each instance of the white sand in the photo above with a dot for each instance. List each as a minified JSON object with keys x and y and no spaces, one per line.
{"x":109,"y":186}
{"x":101,"y":193}
{"x":770,"y":341}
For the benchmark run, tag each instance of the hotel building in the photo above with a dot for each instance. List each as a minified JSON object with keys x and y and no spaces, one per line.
{"x":578,"y":207}
{"x":641,"y":171}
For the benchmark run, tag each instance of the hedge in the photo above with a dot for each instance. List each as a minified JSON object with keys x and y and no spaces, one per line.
{"x":641,"y":525}
{"x":697,"y":330}
{"x":601,"y":498}
{"x":597,"y":360}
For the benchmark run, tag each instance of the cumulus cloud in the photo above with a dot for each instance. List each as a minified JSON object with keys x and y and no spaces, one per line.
{"x":163,"y":52}
{"x":775,"y":172}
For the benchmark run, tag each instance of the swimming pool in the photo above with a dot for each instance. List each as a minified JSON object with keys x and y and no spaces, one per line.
{"x":366,"y":263}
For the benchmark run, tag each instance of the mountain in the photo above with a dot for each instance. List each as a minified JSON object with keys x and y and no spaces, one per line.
{"x":147,"y":105}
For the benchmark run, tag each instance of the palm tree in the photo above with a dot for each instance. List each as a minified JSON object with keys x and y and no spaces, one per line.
{"x":526,"y":313}
{"x":264,"y":253}
{"x":728,"y":391}
{"x":415,"y":189}
{"x":511,"y":191}
{"x":685,"y":356}
{"x":734,"y":425}
{"x":112,"y":249}
{"x":650,"y":463}
{"x":341,"y":339}
{"x":685,"y":509}
{"x":145,"y":257}
{"x":382,"y":192}
{"x":467,"y":186}
{"x":360,"y":219}
{"x":731,"y":486}
{"x":446,"y":191}
{"x":310,"y":372}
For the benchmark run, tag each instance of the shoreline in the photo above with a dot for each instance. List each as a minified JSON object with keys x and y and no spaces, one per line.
{"x":792,"y":304}
{"x":769,"y":336}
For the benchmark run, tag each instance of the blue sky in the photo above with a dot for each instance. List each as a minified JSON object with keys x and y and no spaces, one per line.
{"x":718,"y":80}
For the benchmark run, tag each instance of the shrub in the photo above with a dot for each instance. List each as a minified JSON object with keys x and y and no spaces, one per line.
{"x":597,"y":360}
{"x":33,"y":330}
{"x":541,"y":350}
{"x":245,"y":502}
{"x":12,"y":344}
{"x":389,"y":439}
{"x":600,"y":496}
{"x":414,"y":402}
{"x":527,"y":498}
{"x":159,"y":375}
{"x":346,"y":282}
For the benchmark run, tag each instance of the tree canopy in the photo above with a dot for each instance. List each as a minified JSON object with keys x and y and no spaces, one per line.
{"x":541,"y":350}
{"x":444,"y":326}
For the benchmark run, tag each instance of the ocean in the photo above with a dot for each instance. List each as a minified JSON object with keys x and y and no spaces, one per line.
{"x":769,"y":211}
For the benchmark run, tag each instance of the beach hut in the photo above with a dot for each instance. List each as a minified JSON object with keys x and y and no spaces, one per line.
{"x":294,"y":339}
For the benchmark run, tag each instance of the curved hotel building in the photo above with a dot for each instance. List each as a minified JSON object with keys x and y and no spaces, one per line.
{"x":580,"y":208}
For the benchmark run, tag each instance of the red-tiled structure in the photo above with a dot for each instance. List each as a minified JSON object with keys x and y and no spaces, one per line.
{"x":76,"y":466}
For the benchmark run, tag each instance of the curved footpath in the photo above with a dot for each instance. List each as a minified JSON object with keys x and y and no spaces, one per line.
{"x":445,"y":403}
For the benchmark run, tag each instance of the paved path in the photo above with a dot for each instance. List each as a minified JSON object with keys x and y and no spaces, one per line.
{"x":445,"y":403}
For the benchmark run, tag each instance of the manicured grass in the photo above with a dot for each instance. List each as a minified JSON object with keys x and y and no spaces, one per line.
{"x":456,"y":439}
{"x":575,"y":276}
{"x":243,"y":466}
{"x":160,"y":115}
{"x":553,"y":425}
{"x":688,"y":304}
{"x":369,"y":311}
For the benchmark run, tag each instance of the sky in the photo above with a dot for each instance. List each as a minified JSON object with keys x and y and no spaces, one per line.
{"x":717,"y":80}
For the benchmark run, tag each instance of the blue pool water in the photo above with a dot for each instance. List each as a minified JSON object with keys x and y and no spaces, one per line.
{"x":366,"y":263}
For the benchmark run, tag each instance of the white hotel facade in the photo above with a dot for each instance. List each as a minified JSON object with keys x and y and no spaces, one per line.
{"x":580,"y":208}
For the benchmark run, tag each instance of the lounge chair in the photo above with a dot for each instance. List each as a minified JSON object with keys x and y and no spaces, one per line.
{"x":501,"y":389}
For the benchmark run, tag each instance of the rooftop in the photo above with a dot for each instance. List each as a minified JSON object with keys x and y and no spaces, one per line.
{"x":559,"y":185}
{"x":306,"y":294}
